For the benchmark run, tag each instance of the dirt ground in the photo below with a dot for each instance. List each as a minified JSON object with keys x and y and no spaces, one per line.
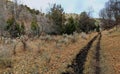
{"x":97,"y":54}
{"x":49,"y":56}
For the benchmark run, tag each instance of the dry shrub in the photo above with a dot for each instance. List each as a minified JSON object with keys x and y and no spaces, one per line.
{"x":34,"y":70}
{"x":84,"y":36}
{"x":5,"y":58}
{"x":9,"y":71}
{"x":47,"y":38}
{"x":24,"y":40}
{"x":75,"y":37}
{"x":5,"y":63}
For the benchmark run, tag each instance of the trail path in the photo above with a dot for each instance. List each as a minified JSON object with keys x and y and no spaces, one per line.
{"x":79,"y":62}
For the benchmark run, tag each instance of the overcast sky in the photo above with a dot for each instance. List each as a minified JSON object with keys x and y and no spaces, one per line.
{"x":70,"y":6}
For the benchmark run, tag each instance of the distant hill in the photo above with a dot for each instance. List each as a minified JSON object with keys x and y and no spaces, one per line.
{"x":74,"y":15}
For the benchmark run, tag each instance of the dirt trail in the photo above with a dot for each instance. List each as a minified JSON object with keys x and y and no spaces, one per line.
{"x":97,"y":55}
{"x":77,"y":66}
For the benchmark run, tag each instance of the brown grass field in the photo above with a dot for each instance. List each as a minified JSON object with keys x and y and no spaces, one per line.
{"x":98,"y":54}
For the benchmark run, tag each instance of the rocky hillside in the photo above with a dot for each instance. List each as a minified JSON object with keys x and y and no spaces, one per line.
{"x":26,"y":15}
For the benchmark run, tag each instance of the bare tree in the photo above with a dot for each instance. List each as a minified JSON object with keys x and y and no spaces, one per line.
{"x":24,"y":40}
{"x":111,"y":13}
{"x":15,"y":10}
{"x":2,"y":20}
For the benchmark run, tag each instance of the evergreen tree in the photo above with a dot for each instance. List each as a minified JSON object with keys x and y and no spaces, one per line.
{"x":56,"y":14}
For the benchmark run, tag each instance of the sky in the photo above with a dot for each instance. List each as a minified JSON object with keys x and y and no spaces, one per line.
{"x":70,"y":6}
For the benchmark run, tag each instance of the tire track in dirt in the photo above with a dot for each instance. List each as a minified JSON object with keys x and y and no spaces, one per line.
{"x":97,"y":55}
{"x":77,"y":65}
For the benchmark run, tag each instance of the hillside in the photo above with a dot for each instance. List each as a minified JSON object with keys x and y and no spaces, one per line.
{"x":26,"y":15}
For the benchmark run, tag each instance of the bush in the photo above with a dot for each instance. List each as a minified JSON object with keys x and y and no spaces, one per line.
{"x":5,"y":63}
{"x":22,"y":29}
{"x":98,"y":28}
{"x":35,"y":28}
{"x":57,"y":16}
{"x":70,"y":27}
{"x":86,"y":23}
{"x":14,"y":29}
{"x":5,"y":58}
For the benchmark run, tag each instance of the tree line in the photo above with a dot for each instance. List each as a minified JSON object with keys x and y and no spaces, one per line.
{"x":110,"y":14}
{"x":62,"y":25}
{"x":82,"y":23}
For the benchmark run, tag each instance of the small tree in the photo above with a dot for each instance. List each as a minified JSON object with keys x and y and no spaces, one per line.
{"x":22,"y":28}
{"x":13,"y":26}
{"x":110,"y":15}
{"x":70,"y":27}
{"x":14,"y":30}
{"x":56,"y":14}
{"x":35,"y":28}
{"x":86,"y":23}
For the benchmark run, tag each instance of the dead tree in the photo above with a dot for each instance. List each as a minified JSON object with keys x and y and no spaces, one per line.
{"x":111,"y":13}
{"x":24,"y":40}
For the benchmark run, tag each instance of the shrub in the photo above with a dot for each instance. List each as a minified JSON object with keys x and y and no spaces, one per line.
{"x":98,"y":28}
{"x":35,"y":28}
{"x":5,"y":58}
{"x":57,"y":15}
{"x":5,"y":63}
{"x":14,"y":29}
{"x":70,"y":27}
{"x":86,"y":23}
{"x":22,"y":28}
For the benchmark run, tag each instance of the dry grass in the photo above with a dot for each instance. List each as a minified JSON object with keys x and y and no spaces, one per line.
{"x":43,"y":56}
{"x":54,"y":54}
{"x":109,"y":61}
{"x":111,"y":50}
